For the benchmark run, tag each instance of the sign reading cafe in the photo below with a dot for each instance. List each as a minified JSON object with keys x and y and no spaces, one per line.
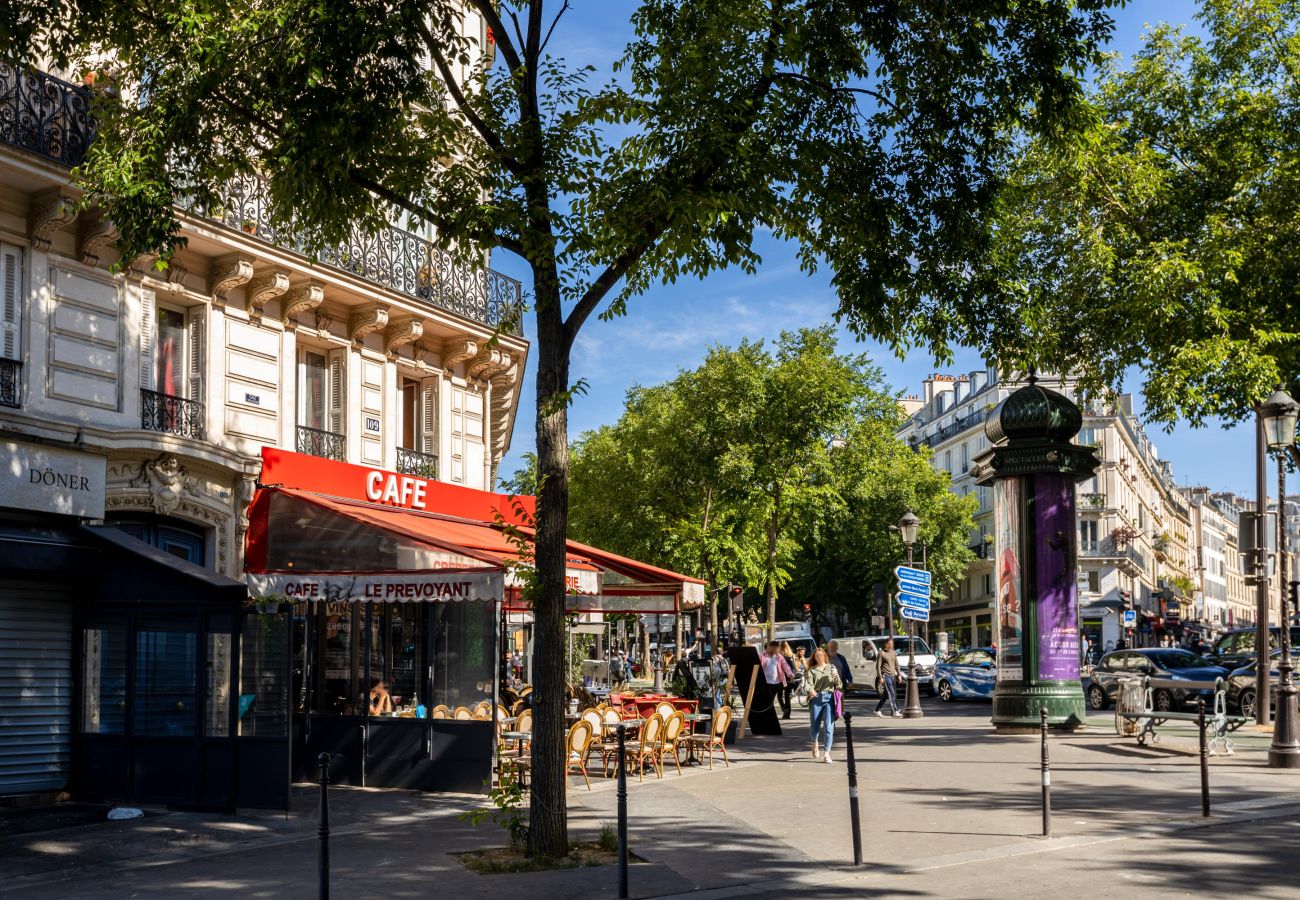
{"x":52,"y":479}
{"x":374,"y":587}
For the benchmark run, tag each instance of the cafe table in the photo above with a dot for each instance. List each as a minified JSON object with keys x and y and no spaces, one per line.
{"x":692,"y":718}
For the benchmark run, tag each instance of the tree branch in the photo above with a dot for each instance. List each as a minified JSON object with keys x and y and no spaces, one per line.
{"x":487,"y":9}
{"x":484,"y":130}
{"x":624,"y":262}
{"x":827,"y":87}
{"x":556,"y":21}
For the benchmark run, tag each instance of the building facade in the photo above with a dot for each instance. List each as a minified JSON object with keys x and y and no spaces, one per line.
{"x":152,"y":391}
{"x":1134,"y":527}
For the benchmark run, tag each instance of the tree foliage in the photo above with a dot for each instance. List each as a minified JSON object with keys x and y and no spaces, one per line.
{"x":1165,"y":236}
{"x":870,"y":133}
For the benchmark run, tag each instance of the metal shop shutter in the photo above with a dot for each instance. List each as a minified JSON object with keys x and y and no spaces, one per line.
{"x":35,"y":686}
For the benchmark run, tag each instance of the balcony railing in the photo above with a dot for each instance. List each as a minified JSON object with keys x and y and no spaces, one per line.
{"x":11,"y":380}
{"x":44,"y":115}
{"x":316,"y":442}
{"x":394,"y":258}
{"x":957,"y":426}
{"x":51,"y":118}
{"x":171,"y":415}
{"x":1092,"y":501}
{"x":416,"y":462}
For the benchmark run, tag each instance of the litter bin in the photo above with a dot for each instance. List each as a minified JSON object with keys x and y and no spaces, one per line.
{"x":1131,"y":698}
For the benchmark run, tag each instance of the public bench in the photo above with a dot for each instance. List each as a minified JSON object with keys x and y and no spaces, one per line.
{"x":1130,"y":720}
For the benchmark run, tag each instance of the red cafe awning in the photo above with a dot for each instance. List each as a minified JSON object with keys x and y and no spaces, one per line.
{"x":306,"y":519}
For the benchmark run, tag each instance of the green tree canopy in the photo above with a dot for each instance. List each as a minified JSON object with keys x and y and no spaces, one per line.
{"x":1165,"y":236}
{"x":870,"y":133}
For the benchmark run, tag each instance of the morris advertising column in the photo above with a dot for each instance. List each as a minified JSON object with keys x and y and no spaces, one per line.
{"x":1032,"y":468}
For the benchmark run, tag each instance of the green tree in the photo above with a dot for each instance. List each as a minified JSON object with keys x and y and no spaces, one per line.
{"x":870,"y":134}
{"x":1165,"y":236}
{"x":847,"y":545}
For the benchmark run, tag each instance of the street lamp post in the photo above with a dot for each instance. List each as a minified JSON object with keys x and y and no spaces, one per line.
{"x":1278,"y":417}
{"x":907,"y":529}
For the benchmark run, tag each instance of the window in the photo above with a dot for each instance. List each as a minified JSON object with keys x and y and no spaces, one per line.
{"x":947,"y":460}
{"x":988,"y":584}
{"x":965,"y":457}
{"x":189,"y":542}
{"x":320,"y":390}
{"x":165,"y":661}
{"x":11,"y":282}
{"x":1088,"y":534}
{"x":263,"y":670}
{"x":1094,"y":582}
{"x":171,"y":349}
{"x":103,"y":677}
{"x":418,"y":433}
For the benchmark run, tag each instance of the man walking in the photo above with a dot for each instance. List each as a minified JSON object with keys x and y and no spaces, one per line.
{"x":887,"y":680}
{"x":777,"y":673}
{"x":841,"y":665}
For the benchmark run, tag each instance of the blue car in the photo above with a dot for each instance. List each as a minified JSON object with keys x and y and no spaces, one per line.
{"x":970,"y":673}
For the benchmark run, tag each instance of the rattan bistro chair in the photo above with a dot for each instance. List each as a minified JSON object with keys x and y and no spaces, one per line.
{"x":578,"y":745}
{"x":670,"y":743}
{"x":648,"y":747}
{"x":716,"y":738}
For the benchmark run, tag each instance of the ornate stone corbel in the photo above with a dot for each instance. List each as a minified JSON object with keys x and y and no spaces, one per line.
{"x":96,"y":233}
{"x":366,"y":320}
{"x":421,"y":354}
{"x":302,"y":299}
{"x":264,"y":288}
{"x":488,"y":362}
{"x":176,"y":273}
{"x":324,"y":323}
{"x":228,"y":273}
{"x":143,"y":265}
{"x":401,"y":331}
{"x":457,"y":350}
{"x":50,"y":211}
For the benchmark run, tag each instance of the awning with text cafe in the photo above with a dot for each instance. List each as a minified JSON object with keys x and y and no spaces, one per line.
{"x":326,"y":530}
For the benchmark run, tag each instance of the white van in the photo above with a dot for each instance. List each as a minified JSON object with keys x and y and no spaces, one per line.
{"x":860,"y":651}
{"x":798,"y":634}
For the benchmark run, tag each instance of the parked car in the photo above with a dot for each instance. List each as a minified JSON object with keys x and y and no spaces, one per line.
{"x":1156,"y":662}
{"x":1237,"y":647}
{"x":861,"y":652}
{"x":1241,"y":687}
{"x":969,"y":673}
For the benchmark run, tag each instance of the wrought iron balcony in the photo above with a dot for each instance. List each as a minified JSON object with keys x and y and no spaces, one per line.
{"x":44,"y":115}
{"x":51,"y":118}
{"x":172,"y":415}
{"x":417,"y":462}
{"x":1092,"y":501}
{"x":327,"y":444}
{"x":393,"y":258}
{"x":11,"y":381}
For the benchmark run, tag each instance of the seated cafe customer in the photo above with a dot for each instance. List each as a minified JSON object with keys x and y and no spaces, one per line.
{"x":381,"y":701}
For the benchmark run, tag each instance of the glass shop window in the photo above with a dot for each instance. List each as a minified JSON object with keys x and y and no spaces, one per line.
{"x":263,"y":674}
{"x":103,"y":676}
{"x":165,"y":668}
{"x":338,"y":650}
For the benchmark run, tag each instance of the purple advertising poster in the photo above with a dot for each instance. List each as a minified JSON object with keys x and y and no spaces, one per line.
{"x":1058,"y":619}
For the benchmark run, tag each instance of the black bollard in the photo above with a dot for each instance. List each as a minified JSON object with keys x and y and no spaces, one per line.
{"x":622,"y":811}
{"x":324,"y":827}
{"x":1205,"y":759}
{"x":853,"y":790}
{"x":1047,"y":778}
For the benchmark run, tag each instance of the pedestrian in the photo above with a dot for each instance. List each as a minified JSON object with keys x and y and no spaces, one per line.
{"x":777,"y":673}
{"x":820,"y":683}
{"x":887,"y":680}
{"x":792,"y":680}
{"x":841,"y":665}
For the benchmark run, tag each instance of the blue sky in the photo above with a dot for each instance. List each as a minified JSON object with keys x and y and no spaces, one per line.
{"x":671,"y":327}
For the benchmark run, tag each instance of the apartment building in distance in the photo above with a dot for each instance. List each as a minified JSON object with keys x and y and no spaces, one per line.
{"x":1134,"y":526}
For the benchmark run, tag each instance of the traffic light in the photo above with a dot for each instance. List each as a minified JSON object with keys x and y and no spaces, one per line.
{"x":735,"y":598}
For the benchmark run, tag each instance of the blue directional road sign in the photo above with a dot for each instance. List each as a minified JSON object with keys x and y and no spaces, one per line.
{"x":1130,"y":618}
{"x":911,"y":574}
{"x":920,"y":615}
{"x":914,"y":587}
{"x":912,"y":601}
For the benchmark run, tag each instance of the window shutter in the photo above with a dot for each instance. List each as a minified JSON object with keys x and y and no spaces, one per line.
{"x":148,"y":325}
{"x":337,"y":389}
{"x":11,"y":277}
{"x":198,"y":324}
{"x":429,"y":416}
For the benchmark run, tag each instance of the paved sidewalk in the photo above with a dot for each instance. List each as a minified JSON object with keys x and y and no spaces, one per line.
{"x":949,"y":810}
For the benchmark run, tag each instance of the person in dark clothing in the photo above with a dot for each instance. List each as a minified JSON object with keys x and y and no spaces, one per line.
{"x":841,"y":665}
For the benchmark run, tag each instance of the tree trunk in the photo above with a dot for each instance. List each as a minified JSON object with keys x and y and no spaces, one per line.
{"x":548,"y":833}
{"x":771,"y":577}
